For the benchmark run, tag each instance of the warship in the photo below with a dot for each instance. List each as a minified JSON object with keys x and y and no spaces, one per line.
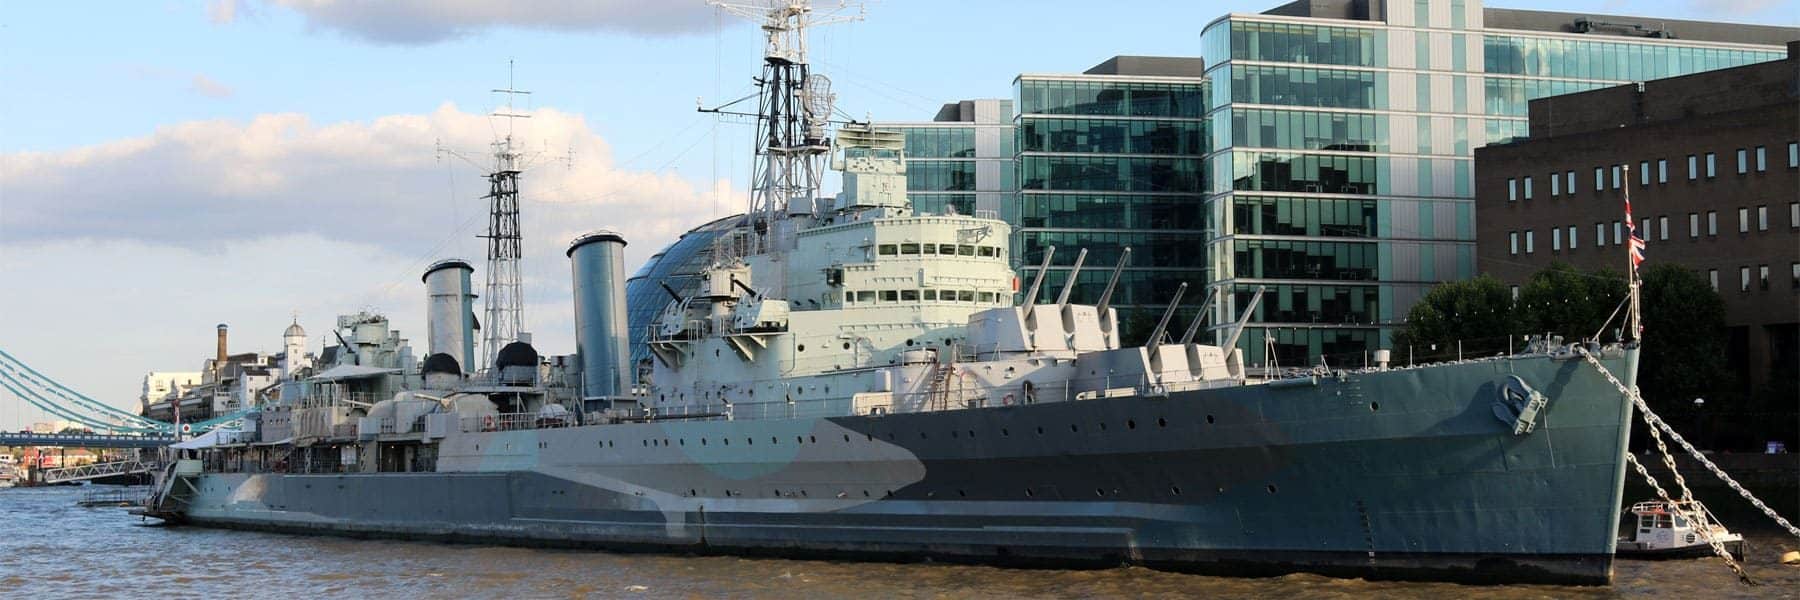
{"x":859,"y":379}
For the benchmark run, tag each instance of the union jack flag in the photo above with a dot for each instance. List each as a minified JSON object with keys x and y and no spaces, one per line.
{"x":1637,"y":243}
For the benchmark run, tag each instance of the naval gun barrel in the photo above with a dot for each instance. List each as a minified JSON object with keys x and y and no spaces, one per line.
{"x":1163,"y":325}
{"x":1063,"y":298}
{"x":1031,"y":294}
{"x":1200,"y":317}
{"x":1106,"y":296}
{"x":1243,"y":319}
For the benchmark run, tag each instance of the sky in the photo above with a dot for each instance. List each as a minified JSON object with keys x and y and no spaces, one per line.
{"x":168,"y":166}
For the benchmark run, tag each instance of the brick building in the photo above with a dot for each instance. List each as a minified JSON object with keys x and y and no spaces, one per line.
{"x":1713,"y":166}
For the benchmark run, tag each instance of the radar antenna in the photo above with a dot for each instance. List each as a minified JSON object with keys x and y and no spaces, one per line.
{"x":793,"y":111}
{"x":505,"y":305}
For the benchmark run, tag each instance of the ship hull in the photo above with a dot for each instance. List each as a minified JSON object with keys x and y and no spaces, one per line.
{"x":1404,"y":474}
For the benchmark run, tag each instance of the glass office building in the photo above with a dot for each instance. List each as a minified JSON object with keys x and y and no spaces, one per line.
{"x":1108,"y":159}
{"x":1342,"y":137}
{"x":962,"y":159}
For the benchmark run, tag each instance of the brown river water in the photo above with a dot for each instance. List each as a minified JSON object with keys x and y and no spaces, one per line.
{"x":51,"y":548}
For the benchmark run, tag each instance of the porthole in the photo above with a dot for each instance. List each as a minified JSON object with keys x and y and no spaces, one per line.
{"x":922,"y":435}
{"x":909,"y":342}
{"x":749,"y":441}
{"x":800,"y":348}
{"x":1040,"y":430}
{"x":799,"y":440}
{"x":1130,"y":424}
{"x":1271,"y":488}
{"x":846,"y":437}
{"x":774,"y":440}
{"x":1100,"y":492}
{"x":962,"y":494}
{"x":646,"y":444}
{"x":1103,"y":425}
{"x":971,"y":434}
{"x":812,"y":439}
{"x":1374,"y":406}
{"x":954,"y":435}
{"x":691,"y":492}
{"x":865,"y":493}
{"x":1073,"y":428}
{"x":1004,"y":432}
{"x":846,"y":345}
{"x":726,"y":440}
{"x":1175,"y":490}
{"x":1028,"y":493}
{"x":1161,"y":422}
{"x":1209,"y":419}
{"x":683,"y":441}
{"x":703,"y":441}
{"x":715,"y":352}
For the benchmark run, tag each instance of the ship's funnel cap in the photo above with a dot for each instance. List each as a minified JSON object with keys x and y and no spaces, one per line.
{"x":448,"y":263}
{"x":597,"y":235}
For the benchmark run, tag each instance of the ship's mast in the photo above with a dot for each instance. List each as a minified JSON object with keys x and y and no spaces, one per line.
{"x":505,"y":307}
{"x":794,"y":108}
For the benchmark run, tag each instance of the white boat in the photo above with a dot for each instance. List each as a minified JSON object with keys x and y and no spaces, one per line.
{"x":1676,"y":530}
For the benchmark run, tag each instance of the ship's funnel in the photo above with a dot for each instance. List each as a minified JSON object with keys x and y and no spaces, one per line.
{"x":598,"y":262}
{"x":450,"y":311}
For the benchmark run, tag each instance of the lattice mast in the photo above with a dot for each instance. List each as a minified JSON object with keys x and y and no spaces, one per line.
{"x":794,"y":110}
{"x":505,"y":306}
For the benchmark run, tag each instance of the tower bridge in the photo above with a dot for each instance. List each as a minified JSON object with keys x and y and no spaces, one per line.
{"x":107,"y":426}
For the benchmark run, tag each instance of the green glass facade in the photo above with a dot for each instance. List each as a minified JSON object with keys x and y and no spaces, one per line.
{"x":963,"y":160}
{"x":1340,"y":155}
{"x":1108,"y":162}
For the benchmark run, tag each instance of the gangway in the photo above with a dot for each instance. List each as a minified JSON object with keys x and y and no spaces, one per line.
{"x":98,"y":470}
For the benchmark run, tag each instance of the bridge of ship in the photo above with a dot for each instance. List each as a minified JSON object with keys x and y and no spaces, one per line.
{"x":110,"y":426}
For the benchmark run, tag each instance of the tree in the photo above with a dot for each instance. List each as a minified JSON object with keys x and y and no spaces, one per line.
{"x":1478,"y":312}
{"x":1684,"y":341}
{"x":1575,"y":305}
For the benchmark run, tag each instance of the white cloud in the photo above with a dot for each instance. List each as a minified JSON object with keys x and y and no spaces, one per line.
{"x":134,"y":248}
{"x":430,"y":21}
{"x":207,"y":86}
{"x":223,"y":12}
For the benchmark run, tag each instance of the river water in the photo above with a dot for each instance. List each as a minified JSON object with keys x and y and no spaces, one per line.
{"x":51,"y":548}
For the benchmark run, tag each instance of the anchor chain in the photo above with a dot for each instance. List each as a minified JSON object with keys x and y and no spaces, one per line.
{"x":1659,"y":423}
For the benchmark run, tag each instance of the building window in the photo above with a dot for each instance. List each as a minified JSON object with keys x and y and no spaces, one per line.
{"x":1512,"y":238}
{"x":1662,"y":170}
{"x":1762,"y":159}
{"x":1644,"y":173}
{"x":1616,"y":234}
{"x":1793,"y":155}
{"x":1515,"y":292}
{"x":1743,"y":220}
{"x":1712,"y":165}
{"x":1615,"y":177}
{"x":1762,"y":218}
{"x":1599,"y":179}
{"x":1571,"y":182}
{"x":1512,"y":190}
{"x":1599,"y":234}
{"x":1794,"y":215}
{"x":1743,"y":157}
{"x":1713,"y":276}
{"x":1555,"y":185}
{"x":1555,"y":239}
{"x":1693,"y":225}
{"x":1762,"y":277}
{"x":1644,"y":229}
{"x":1527,"y":187}
{"x":1743,"y":279}
{"x":1663,"y":222}
{"x":1528,"y":242}
{"x":1795,"y":268}
{"x":1571,"y":237}
{"x":1693,"y":167}
{"x":1712,"y":222}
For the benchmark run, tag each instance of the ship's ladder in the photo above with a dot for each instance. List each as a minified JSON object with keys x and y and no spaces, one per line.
{"x":939,"y":392}
{"x":1701,"y":519}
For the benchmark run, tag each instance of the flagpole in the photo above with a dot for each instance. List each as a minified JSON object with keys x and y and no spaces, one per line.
{"x":1635,"y":323}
